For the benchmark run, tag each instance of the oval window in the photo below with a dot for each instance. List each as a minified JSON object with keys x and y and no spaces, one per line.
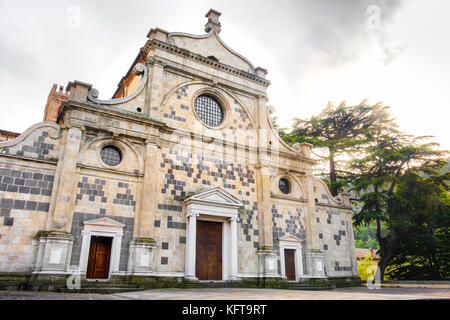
{"x":284,"y":185}
{"x":111,"y":155}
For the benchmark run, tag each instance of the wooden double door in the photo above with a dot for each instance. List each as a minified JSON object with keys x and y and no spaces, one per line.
{"x":99,"y":257}
{"x":208,"y":261}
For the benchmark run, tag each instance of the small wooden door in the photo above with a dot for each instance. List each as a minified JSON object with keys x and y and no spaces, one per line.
{"x":208,"y":261}
{"x":289,"y":261}
{"x":99,"y":255}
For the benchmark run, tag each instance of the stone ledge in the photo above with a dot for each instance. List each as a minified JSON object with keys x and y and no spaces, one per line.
{"x":52,"y":235}
{"x":57,"y":283}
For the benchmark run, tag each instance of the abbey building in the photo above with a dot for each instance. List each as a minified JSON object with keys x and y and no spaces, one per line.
{"x":179,"y":175}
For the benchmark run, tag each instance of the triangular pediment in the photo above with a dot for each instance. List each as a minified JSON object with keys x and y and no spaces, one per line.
{"x":105,"y":222}
{"x":211,"y":45}
{"x":215,"y":196}
{"x":289,"y":237}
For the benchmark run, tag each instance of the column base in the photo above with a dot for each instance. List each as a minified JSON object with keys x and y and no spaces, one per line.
{"x":315,"y":261}
{"x":267,"y":263}
{"x":191,"y":278}
{"x":234,"y":279}
{"x":54,"y":253}
{"x":141,"y":258}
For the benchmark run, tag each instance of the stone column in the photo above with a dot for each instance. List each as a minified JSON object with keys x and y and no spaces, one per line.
{"x":191,"y":242}
{"x":233,"y":248}
{"x":347,"y":213}
{"x":154,"y":92}
{"x":310,"y":216}
{"x":267,"y":255}
{"x":265,"y":208}
{"x":61,"y":205}
{"x":149,"y":195}
{"x":315,"y":260}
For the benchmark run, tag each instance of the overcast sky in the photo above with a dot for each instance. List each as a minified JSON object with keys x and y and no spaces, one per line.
{"x":315,"y":51}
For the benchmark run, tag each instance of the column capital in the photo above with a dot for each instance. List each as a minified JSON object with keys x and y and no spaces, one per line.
{"x":191,"y":213}
{"x":233,"y":219}
{"x":153,"y":141}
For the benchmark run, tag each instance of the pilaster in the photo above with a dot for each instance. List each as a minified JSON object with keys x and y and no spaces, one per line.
{"x":149,"y":195}
{"x":61,"y":204}
{"x":191,"y":238}
{"x":154,"y":92}
{"x":233,"y":252}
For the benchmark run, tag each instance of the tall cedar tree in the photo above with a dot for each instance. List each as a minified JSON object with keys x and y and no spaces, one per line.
{"x":385,"y":162}
{"x":340,"y":130}
{"x":422,"y":208}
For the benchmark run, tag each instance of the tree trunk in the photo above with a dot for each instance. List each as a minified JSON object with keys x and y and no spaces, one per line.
{"x":385,"y":255}
{"x":333,"y":177}
{"x":386,"y":245}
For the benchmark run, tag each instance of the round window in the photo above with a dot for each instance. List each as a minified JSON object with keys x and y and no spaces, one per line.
{"x":209,"y":111}
{"x":284,"y":185}
{"x":111,"y":155}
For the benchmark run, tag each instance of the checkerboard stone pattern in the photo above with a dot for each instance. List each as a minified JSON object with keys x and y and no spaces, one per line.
{"x":180,"y":113}
{"x":106,"y":196}
{"x":288,"y":220}
{"x":38,"y":145}
{"x":24,"y":202}
{"x":77,"y":227}
{"x":333,"y":238}
{"x":184,"y":172}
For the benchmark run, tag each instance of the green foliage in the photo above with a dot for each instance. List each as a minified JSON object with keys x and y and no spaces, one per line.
{"x":365,"y":237}
{"x":390,"y":159}
{"x":422,"y":251}
{"x":281,"y":131}
{"x":339,"y":131}
{"x":409,"y":216}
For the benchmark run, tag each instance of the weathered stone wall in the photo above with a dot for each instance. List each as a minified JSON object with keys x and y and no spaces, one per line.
{"x":334,"y":233}
{"x":27,"y":173}
{"x":288,"y":219}
{"x":25,"y":193}
{"x":188,"y":170}
{"x":41,"y":142}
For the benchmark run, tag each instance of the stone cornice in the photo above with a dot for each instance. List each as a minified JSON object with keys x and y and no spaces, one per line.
{"x":198,"y":58}
{"x":126,"y":116}
{"x":25,"y":158}
{"x":337,"y":206}
{"x":111,"y":112}
{"x":273,"y":195}
{"x":196,"y":74}
{"x":113,"y":171}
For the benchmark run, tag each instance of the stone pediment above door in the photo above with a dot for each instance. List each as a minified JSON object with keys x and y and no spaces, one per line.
{"x":215,"y":196}
{"x":289,"y":238}
{"x":105,"y":222}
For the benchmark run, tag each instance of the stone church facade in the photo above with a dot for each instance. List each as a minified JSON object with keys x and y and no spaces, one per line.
{"x":180,"y":175}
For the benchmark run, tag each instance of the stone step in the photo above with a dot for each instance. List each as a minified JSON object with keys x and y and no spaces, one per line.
{"x":101,"y":290}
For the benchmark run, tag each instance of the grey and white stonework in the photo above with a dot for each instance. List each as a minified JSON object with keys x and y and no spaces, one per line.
{"x":57,"y":192}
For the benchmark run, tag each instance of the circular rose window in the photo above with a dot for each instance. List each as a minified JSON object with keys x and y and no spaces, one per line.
{"x":209,"y":110}
{"x":111,"y":155}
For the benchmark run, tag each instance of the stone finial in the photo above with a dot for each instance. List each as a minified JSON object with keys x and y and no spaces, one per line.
{"x":261,"y":72}
{"x":158,"y":34}
{"x":345,"y":198}
{"x":304,"y":148}
{"x":78,"y":90}
{"x":213,"y":21}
